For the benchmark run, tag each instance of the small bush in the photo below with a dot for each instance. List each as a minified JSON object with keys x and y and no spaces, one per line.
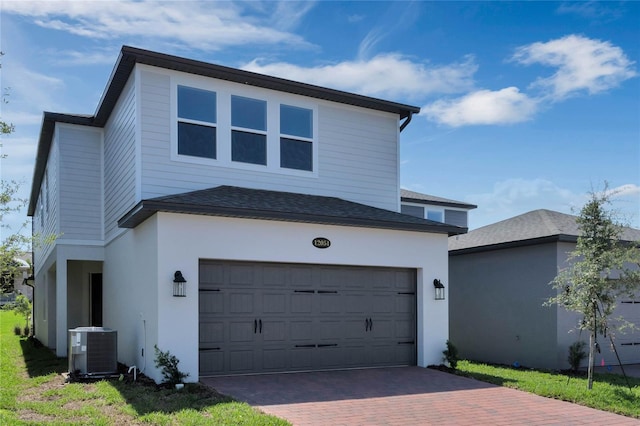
{"x":451,"y":355}
{"x":169,"y":363}
{"x":17,"y":330}
{"x":26,"y":331}
{"x":576,"y":355}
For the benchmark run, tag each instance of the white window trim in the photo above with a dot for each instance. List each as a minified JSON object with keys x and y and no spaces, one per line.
{"x":224,"y":91}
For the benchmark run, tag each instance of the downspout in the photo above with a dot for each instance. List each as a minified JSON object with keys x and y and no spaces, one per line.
{"x":406,"y":122}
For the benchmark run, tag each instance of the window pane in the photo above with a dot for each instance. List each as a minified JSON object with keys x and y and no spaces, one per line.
{"x":196,"y":104}
{"x":434,"y":215}
{"x":416,"y":211}
{"x":197,"y":141}
{"x":248,"y":113}
{"x":296,"y":154}
{"x":296,"y":121}
{"x":248,"y":147}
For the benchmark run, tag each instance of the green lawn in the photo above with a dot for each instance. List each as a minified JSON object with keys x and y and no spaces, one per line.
{"x":32,"y":391}
{"x":609,"y":393}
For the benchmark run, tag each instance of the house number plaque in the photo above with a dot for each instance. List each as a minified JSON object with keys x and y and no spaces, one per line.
{"x":321,"y":242}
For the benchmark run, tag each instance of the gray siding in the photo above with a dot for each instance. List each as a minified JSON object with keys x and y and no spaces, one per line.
{"x":496,"y":313}
{"x":80,"y":183}
{"x":357,"y":153}
{"x":46,"y":219}
{"x":119,"y":160}
{"x":455,"y":217}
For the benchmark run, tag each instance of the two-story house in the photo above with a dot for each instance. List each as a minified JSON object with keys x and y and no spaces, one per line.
{"x":244,"y":223}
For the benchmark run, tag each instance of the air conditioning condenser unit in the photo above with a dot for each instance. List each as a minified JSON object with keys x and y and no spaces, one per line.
{"x":93,"y":352}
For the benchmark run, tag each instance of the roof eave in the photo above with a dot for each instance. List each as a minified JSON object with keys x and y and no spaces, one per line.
{"x":147,"y":208}
{"x":560,"y":238}
{"x":47,"y":129}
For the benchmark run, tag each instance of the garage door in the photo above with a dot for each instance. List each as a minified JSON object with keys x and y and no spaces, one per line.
{"x":628,"y":341}
{"x":268,"y":317}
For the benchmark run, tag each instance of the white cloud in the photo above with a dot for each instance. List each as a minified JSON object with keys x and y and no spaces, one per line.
{"x":201,"y":25}
{"x":483,"y":107}
{"x":511,"y":197}
{"x":594,"y":10}
{"x":584,"y":65}
{"x":627,"y":190}
{"x":386,"y":75}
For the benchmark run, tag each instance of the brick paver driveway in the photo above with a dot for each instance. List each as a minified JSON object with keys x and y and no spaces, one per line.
{"x":402,"y":396}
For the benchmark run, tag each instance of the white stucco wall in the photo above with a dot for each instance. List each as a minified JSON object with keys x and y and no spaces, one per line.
{"x":184,"y":239}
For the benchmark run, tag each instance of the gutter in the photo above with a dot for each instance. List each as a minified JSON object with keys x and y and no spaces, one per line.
{"x":406,"y":122}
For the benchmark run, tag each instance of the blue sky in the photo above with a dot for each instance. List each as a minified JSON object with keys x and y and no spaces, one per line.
{"x":525,"y":105}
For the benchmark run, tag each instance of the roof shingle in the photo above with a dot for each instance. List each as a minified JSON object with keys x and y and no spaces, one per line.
{"x":231,"y":201}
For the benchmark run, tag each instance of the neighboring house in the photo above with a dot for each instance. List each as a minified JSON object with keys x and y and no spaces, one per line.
{"x":277,"y":201}
{"x":435,"y":208}
{"x":499,"y":279}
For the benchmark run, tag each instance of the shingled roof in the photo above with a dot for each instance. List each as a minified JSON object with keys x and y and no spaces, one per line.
{"x":535,"y":227}
{"x":231,"y":201}
{"x":419,"y":198}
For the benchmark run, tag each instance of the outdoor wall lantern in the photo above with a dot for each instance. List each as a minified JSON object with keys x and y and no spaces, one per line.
{"x":439,"y":288}
{"x":30,"y":281}
{"x":179,"y":285}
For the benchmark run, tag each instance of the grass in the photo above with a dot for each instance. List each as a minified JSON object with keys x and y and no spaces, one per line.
{"x":33,"y":392}
{"x":609,"y":393}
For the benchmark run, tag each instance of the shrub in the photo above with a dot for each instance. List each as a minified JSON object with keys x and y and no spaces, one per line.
{"x":22,"y":306}
{"x":169,"y":363}
{"x":451,"y":355}
{"x":576,"y":355}
{"x":17,"y":330}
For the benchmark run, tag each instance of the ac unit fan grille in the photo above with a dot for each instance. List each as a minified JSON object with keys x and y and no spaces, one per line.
{"x":101,"y":356}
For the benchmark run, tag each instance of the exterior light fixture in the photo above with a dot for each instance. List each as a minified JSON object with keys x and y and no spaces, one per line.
{"x":179,"y":285}
{"x":30,"y":281}
{"x":439,"y":288}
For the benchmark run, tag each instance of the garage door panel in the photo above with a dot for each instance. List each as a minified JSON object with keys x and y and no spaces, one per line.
{"x":211,"y":275}
{"x":301,"y":277}
{"x":241,"y":302}
{"x":329,"y":330}
{"x":302,"y":303}
{"x":302,"y":358}
{"x":274,"y":359}
{"x":355,"y":302}
{"x":302,"y":330}
{"x":242,"y":360}
{"x":211,"y":362}
{"x":404,"y":329}
{"x":405,"y":280}
{"x":211,"y":333}
{"x":275,"y":330}
{"x":241,"y":275}
{"x":242,"y":331}
{"x":383,"y":280}
{"x":405,"y":303}
{"x":274,"y":276}
{"x":274,"y":303}
{"x":211,"y":302}
{"x":355,"y":329}
{"x":383,"y":329}
{"x":382,"y":304}
{"x":329,"y":303}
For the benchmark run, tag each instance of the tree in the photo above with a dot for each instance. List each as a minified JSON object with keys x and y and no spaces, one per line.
{"x":16,"y":244}
{"x":602,"y":268}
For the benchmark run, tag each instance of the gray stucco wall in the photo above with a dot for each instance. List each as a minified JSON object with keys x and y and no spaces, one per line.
{"x":495,"y":306}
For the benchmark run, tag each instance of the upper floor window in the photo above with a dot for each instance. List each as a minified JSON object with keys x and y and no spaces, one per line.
{"x":435,"y":215}
{"x":248,"y":130}
{"x":197,"y":122}
{"x":296,"y":138}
